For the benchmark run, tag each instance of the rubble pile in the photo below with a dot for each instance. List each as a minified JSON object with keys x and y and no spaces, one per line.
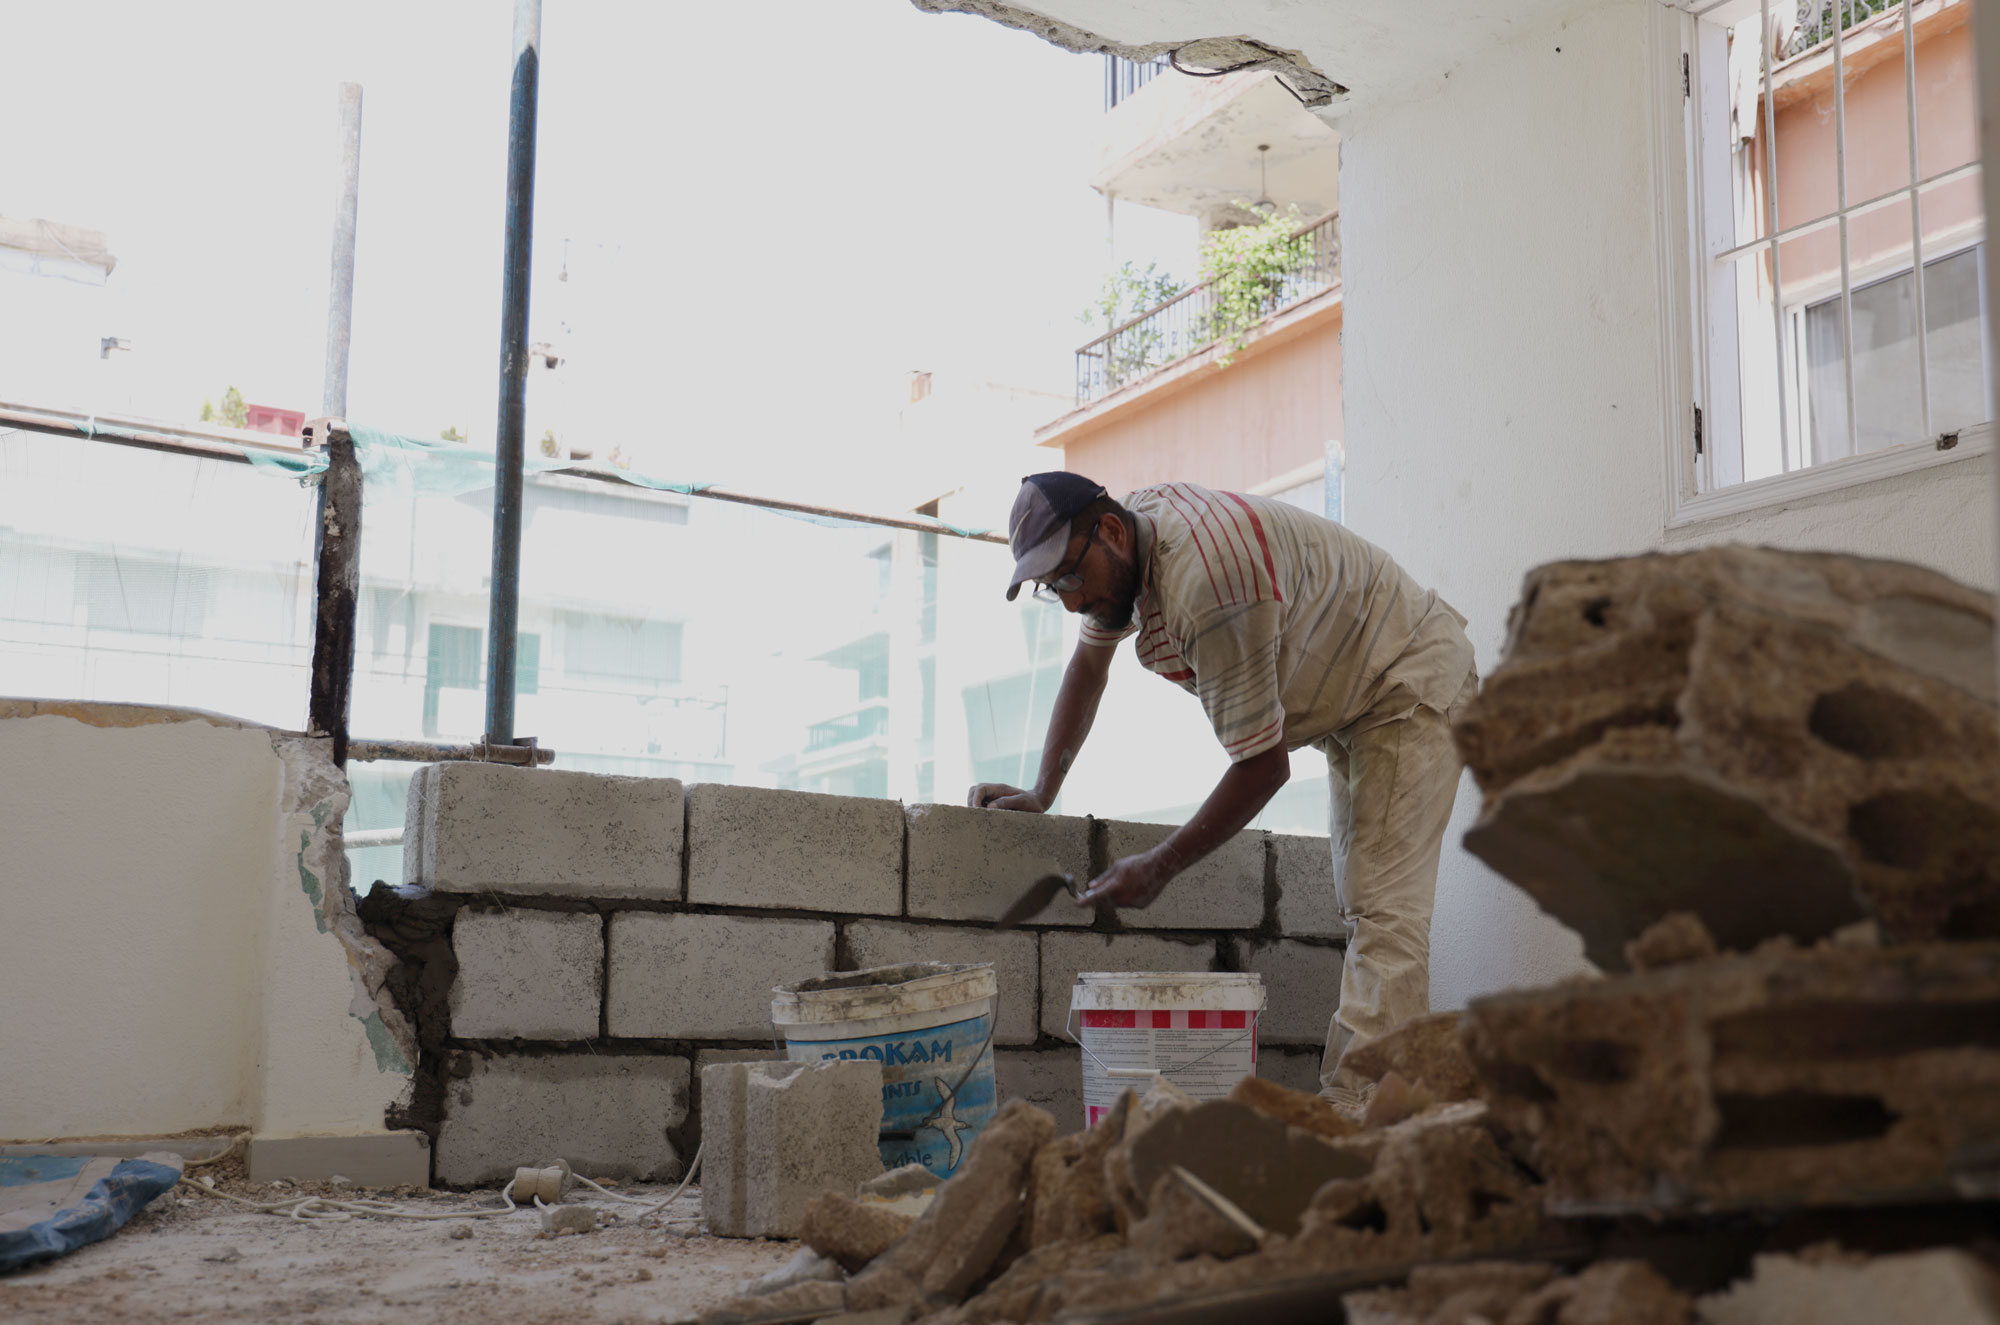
{"x":1765,"y":788}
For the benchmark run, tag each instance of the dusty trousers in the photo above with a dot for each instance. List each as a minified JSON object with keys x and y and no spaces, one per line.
{"x":1392,"y":789}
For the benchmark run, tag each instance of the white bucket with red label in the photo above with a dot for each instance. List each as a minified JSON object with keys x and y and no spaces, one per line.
{"x":1198,"y":1029}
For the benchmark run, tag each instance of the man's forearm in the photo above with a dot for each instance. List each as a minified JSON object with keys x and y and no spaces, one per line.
{"x":1069,"y":723}
{"x":1241,"y":794}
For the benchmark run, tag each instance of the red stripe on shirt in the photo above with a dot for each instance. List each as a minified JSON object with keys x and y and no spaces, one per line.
{"x":1257,"y":526}
{"x":1195,"y":537}
{"x":1246,"y":565}
{"x":1250,"y":740}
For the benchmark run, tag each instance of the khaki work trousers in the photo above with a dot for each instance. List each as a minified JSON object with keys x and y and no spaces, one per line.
{"x":1392,"y":793}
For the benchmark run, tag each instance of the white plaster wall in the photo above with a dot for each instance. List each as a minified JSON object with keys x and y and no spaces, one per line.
{"x":161,"y":966}
{"x":1502,"y":389}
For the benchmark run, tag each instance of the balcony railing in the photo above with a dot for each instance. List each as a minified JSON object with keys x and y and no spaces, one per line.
{"x":1188,"y":322}
{"x":1124,"y":77}
{"x":848,"y":728}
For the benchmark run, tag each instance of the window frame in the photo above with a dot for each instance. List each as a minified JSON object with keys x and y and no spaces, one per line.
{"x":1700,"y":356}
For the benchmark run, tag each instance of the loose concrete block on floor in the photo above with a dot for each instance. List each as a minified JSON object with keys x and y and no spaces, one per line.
{"x":1296,"y":1069}
{"x":968,"y":864}
{"x":1308,"y":907}
{"x":700,"y":977}
{"x":1301,"y":989}
{"x":473,"y":828}
{"x":1016,"y":959}
{"x":1050,"y":1079}
{"x":607,"y":1114}
{"x":1064,"y":954}
{"x":535,"y":975}
{"x":751,"y":846}
{"x":776,"y":1135}
{"x":1222,"y":890}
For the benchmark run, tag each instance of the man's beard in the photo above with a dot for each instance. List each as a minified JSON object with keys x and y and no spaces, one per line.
{"x":1125,"y":594}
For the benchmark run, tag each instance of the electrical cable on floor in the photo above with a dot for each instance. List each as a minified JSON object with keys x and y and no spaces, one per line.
{"x":545,"y":1187}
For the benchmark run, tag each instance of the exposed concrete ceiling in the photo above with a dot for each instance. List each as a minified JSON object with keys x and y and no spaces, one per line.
{"x":1330,"y":50}
{"x":1189,"y":145}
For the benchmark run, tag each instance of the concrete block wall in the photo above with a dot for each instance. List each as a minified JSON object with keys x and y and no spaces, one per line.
{"x":578,"y":945}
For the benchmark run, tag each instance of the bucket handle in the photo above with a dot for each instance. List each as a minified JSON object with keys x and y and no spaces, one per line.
{"x":1115,"y":1073}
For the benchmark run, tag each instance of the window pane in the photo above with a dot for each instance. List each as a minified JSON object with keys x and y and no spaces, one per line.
{"x":1956,"y":341}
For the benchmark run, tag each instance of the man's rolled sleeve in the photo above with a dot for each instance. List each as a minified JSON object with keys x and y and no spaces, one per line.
{"x":1234,"y":653}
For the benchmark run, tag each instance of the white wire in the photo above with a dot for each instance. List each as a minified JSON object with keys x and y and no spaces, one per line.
{"x":313,"y":1208}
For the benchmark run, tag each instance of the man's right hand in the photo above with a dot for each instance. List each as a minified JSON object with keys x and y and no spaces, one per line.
{"x":1000,"y":796}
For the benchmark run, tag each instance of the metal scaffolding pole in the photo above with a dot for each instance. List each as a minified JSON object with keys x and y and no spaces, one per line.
{"x":337,"y":526}
{"x":503,"y":614}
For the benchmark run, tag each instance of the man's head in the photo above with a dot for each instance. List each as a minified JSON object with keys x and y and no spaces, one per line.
{"x":1077,"y":545}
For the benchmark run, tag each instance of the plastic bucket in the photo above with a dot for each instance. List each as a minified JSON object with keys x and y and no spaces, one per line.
{"x":1196,"y":1028}
{"x":930,"y":1026}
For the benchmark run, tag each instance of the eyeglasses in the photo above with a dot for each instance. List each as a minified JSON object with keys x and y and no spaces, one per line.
{"x":1052,"y":589}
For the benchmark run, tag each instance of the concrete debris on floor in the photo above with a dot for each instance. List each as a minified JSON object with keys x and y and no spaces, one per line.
{"x":1782,"y":743}
{"x":1765,"y":788}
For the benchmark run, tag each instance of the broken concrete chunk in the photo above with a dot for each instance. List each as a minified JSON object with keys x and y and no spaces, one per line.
{"x":806,"y":1267}
{"x":801,"y":1302}
{"x":1394,"y":1100}
{"x":1069,"y":1198}
{"x":778,"y":1134}
{"x":1293,"y":1107}
{"x":955,"y":1243}
{"x":909,"y":1180}
{"x":1185,"y":1220}
{"x":1778,"y":742}
{"x":1946,"y":1286}
{"x":1034,"y":1287}
{"x":1423,"y":1050}
{"x":1449,"y":1294}
{"x":1270,"y":1171}
{"x":1524,"y":1293}
{"x":851,"y":1232}
{"x":1676,"y":938}
{"x":1767,"y":1080}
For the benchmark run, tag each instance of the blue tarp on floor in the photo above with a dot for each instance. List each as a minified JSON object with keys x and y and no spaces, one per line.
{"x":52,"y":1204}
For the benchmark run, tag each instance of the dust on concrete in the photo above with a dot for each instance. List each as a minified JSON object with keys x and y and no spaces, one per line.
{"x":194,"y":1257}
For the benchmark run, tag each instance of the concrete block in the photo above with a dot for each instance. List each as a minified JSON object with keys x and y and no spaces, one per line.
{"x":1016,"y":958}
{"x":1767,"y":1081}
{"x":776,"y":1135}
{"x":474,"y":828}
{"x":372,"y":1159}
{"x":608,"y":1115}
{"x":1222,"y":890}
{"x":1295,"y":1069}
{"x":536,"y":975}
{"x":751,"y":846}
{"x":1064,"y":954}
{"x":1308,"y":906}
{"x":1301,"y":989}
{"x":696,"y":977}
{"x":1050,"y":1079}
{"x":968,"y":864}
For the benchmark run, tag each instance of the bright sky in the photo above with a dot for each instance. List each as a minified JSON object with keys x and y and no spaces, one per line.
{"x":771,"y":213}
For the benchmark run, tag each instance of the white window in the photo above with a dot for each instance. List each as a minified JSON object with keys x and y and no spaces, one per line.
{"x":1833,"y":154}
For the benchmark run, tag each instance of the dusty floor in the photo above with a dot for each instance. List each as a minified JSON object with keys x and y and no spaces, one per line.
{"x":194,"y":1257}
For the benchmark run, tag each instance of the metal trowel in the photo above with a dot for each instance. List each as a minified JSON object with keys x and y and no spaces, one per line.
{"x":1039,"y":894}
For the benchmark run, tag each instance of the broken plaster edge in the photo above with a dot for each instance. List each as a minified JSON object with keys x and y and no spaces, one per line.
{"x":1314,"y":88}
{"x":313,"y":802}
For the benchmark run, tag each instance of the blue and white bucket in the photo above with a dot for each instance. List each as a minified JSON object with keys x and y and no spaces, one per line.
{"x":930,"y":1026}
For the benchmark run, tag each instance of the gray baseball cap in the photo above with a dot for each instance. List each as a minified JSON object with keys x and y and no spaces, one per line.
{"x":1038,"y":529}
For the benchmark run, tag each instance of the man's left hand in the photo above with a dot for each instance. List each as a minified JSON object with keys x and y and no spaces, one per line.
{"x":1131,"y":881}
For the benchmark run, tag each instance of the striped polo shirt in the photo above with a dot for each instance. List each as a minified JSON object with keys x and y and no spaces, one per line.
{"x":1288,"y":627}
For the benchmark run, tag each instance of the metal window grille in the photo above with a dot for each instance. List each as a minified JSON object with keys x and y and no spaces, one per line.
{"x":1817,"y":332}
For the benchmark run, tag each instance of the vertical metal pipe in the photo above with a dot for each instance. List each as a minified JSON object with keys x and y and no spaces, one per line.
{"x":340,"y":289}
{"x":337,"y":580}
{"x":1916,"y":218}
{"x":1846,"y":265}
{"x":504,"y":602}
{"x":1986,"y":36}
{"x":1766,"y":44}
